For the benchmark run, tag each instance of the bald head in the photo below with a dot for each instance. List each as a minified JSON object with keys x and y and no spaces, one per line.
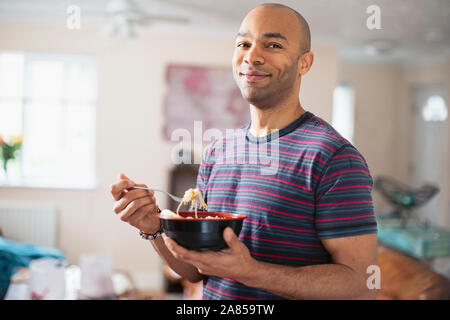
{"x":272,"y":53}
{"x":304,"y":33}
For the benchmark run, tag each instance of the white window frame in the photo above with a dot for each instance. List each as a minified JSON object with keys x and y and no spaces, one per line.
{"x":343,"y":113}
{"x":64,"y":102}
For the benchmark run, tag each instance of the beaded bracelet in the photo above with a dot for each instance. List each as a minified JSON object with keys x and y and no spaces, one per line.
{"x":157,"y":234}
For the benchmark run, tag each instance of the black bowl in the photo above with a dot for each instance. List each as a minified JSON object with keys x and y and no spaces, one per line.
{"x":201,"y":234}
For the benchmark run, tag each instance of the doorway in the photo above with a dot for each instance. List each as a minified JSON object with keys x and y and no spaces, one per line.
{"x":429,"y":140}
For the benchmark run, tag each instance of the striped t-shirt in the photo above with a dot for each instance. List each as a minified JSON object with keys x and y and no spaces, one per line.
{"x":306,"y":184}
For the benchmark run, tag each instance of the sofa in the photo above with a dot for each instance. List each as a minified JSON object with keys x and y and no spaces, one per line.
{"x":406,"y":278}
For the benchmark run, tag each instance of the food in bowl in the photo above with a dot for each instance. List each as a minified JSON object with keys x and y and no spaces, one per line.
{"x":199,"y":230}
{"x":202,"y":233}
{"x":166,"y":213}
{"x":192,"y":196}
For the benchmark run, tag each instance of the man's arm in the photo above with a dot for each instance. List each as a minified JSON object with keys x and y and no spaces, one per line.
{"x":138,"y":208}
{"x":345,"y":278}
{"x":185,"y":270}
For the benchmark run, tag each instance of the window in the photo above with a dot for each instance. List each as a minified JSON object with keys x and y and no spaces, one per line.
{"x":343,"y":111}
{"x":435,"y":109}
{"x":50,"y":100}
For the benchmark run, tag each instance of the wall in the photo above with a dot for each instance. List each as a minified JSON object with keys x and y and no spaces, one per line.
{"x":430,"y":73}
{"x":383,"y":120}
{"x":131,"y":87}
{"x":376,"y":104}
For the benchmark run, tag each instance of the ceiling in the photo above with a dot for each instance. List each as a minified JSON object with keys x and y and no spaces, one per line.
{"x":415,"y":30}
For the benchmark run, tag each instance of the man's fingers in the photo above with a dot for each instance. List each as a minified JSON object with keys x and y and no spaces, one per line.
{"x":200,"y":260}
{"x":180,"y":252}
{"x":118,"y":188}
{"x":141,"y":213}
{"x":135,"y":206}
{"x":231,"y":239}
{"x":131,"y":196}
{"x":177,"y":251}
{"x":122,"y":176}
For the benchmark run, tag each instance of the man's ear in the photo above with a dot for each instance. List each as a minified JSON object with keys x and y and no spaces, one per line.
{"x":305,"y":62}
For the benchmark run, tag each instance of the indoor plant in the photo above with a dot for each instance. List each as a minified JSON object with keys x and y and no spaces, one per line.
{"x":9,"y":150}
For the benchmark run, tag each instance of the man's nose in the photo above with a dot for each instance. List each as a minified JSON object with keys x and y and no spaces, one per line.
{"x":254,"y":56}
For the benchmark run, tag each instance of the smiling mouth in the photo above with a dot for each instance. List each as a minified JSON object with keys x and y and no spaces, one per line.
{"x":254,"y":77}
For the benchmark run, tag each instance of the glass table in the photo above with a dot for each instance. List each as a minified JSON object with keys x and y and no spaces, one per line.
{"x":422,"y":242}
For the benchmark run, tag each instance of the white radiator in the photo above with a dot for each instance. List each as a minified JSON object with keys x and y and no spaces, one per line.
{"x":29,"y":223}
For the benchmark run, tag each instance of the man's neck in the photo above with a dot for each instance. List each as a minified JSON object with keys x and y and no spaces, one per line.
{"x":276,"y":118}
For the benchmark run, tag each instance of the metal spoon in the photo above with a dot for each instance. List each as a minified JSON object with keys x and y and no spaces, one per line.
{"x":178,"y":199}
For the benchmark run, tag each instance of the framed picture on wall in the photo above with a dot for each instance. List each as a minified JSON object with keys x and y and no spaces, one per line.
{"x":202,"y":93}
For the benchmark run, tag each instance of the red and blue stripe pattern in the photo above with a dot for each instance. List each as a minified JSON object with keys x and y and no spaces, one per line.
{"x":321,"y":188}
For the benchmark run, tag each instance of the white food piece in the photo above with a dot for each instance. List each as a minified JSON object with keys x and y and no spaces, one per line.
{"x":166,"y":213}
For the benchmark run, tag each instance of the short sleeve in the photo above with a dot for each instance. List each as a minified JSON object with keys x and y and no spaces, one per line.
{"x":344,"y":205}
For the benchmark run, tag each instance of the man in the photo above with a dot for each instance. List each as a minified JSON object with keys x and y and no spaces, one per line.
{"x":310,"y":231}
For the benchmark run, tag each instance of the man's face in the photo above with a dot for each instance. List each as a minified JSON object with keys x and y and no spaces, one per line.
{"x":265,"y":59}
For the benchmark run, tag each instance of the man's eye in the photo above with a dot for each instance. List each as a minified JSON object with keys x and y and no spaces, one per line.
{"x":243,"y":45}
{"x":275,"y":46}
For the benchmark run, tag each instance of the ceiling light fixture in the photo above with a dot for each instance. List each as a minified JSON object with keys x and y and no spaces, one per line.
{"x":379,"y":47}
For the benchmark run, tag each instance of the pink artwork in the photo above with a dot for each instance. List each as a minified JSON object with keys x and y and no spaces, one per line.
{"x":207,"y":94}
